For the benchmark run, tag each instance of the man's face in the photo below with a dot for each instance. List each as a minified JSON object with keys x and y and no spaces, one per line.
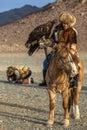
{"x":65,"y":26}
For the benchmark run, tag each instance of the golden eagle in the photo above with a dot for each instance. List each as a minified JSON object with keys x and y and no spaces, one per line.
{"x":34,"y":37}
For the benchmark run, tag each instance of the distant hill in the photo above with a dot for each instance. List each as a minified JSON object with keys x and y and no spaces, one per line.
{"x":14,"y":35}
{"x":15,"y":14}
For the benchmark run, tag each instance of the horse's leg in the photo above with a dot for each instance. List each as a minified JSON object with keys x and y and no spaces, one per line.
{"x":65,"y":107}
{"x":76,"y":103}
{"x":72,"y":109}
{"x":78,"y":90}
{"x":52,"y":106}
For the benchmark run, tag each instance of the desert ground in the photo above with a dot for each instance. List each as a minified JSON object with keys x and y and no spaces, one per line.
{"x":26,"y":106}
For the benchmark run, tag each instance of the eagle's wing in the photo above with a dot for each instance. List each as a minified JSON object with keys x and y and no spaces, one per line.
{"x":34,"y":37}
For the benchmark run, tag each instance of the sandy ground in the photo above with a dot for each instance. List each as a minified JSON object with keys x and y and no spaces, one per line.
{"x":26,"y":106}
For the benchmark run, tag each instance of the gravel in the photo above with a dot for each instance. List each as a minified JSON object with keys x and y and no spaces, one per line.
{"x":26,"y":106}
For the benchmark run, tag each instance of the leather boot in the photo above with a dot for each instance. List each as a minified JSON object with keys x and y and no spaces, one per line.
{"x":43,"y":83}
{"x":74,"y":81}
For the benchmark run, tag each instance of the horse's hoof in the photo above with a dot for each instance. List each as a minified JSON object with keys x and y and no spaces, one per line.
{"x":77,"y":117}
{"x":50,"y":123}
{"x":66,"y":123}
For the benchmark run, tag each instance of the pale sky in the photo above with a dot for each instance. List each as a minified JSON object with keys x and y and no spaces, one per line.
{"x":11,"y":4}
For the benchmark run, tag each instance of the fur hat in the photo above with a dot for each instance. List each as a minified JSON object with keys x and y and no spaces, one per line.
{"x":68,"y":18}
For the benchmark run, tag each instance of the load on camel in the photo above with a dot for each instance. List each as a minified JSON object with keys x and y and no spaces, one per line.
{"x":18,"y":74}
{"x":62,"y":68}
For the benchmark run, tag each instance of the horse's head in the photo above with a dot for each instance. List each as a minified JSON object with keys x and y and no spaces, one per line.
{"x":64,"y":58}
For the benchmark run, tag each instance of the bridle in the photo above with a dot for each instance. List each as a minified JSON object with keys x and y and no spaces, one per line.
{"x":61,"y":58}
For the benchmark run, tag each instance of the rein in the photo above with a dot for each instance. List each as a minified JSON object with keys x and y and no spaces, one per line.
{"x":60,"y":58}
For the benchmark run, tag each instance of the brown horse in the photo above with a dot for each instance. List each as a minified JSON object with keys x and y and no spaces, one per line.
{"x":57,"y":79}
